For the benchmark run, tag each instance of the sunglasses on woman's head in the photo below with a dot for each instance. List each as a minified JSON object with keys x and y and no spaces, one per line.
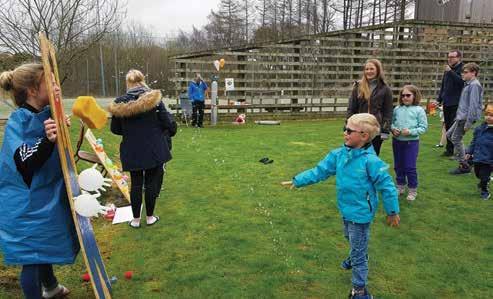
{"x":349,"y":131}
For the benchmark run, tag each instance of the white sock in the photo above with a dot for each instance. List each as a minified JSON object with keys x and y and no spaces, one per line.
{"x":136,"y":221}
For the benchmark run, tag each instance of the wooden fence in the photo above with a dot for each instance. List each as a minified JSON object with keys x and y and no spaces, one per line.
{"x":315,"y":74}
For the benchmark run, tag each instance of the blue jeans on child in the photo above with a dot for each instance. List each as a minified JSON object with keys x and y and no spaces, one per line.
{"x":358,"y":235}
{"x":33,"y":277}
{"x":405,"y":157}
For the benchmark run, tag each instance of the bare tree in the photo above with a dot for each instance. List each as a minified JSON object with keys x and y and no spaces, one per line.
{"x":72,"y":25}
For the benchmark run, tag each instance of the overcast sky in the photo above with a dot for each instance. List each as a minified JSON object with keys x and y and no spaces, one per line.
{"x":168,"y":16}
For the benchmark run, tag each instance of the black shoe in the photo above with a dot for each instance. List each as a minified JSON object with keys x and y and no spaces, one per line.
{"x":264,"y":159}
{"x":447,"y":154}
{"x":460,"y":170}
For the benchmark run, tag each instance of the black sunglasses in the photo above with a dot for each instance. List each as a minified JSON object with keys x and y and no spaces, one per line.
{"x":406,"y":95}
{"x":349,"y":131}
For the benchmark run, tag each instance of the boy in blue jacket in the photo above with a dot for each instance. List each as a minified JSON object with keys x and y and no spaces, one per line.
{"x":360,"y":174}
{"x":481,"y":152}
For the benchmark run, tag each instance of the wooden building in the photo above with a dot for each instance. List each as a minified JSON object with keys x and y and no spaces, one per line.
{"x":467,"y":11}
{"x":313,"y":76}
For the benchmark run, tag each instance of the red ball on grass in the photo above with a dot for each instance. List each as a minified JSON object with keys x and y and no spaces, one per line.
{"x":86,"y":277}
{"x":129,"y":274}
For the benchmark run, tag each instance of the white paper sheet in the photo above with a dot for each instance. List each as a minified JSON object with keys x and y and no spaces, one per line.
{"x":123,"y":214}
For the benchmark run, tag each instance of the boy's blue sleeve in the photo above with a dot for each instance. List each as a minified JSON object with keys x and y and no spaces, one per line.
{"x":190,"y":91}
{"x":422,"y":125}
{"x":470,"y":149}
{"x":323,"y":170}
{"x":383,"y":183}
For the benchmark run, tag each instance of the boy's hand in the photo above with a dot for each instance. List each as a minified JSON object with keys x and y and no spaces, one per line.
{"x":288,"y":184}
{"x":468,"y":156}
{"x":393,"y":220}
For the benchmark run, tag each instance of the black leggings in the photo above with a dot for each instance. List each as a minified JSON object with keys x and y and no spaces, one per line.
{"x":483,"y":173}
{"x":151,"y":179}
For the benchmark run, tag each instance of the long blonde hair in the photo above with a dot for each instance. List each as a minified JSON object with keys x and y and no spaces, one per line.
{"x":364,"y":90}
{"x":18,"y":82}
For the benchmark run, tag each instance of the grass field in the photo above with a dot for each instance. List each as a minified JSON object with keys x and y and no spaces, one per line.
{"x":229,"y":230}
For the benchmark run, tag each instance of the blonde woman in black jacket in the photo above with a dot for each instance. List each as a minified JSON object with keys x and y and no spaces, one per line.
{"x":141,"y":119}
{"x":372,"y":95}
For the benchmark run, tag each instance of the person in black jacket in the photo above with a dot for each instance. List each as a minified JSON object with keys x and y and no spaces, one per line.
{"x":372,"y":95}
{"x":450,"y":91}
{"x":140,"y":117}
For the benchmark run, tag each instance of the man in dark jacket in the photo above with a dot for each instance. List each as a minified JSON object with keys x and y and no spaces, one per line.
{"x":450,"y":91}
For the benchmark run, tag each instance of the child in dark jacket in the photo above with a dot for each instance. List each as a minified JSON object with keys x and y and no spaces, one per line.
{"x":481,"y":152}
{"x":360,"y":176}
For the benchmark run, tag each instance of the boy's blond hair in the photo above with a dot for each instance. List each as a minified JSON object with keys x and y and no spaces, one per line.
{"x":367,"y":123}
{"x":489,"y":109}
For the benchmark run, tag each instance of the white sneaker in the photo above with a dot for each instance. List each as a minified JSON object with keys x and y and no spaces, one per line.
{"x":411,"y":195}
{"x":59,"y":292}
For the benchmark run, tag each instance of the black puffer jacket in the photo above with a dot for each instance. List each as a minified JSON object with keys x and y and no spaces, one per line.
{"x":381,"y":105}
{"x":143,"y":122}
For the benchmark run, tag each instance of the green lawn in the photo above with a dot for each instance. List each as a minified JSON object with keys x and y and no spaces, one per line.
{"x":229,"y":230}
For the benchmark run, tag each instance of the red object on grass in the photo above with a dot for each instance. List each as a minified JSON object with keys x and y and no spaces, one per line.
{"x":110,"y":215}
{"x":86,"y":277}
{"x":129,"y":274}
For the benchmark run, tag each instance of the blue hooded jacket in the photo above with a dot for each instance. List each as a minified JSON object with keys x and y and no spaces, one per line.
{"x":196,"y":91}
{"x":360,"y":174}
{"x":36,"y":225}
{"x":481,"y":146}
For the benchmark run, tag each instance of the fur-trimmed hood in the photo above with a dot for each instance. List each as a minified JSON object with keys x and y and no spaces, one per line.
{"x":135,"y":102}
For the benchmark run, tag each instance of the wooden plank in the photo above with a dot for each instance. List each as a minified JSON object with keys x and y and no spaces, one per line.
{"x":89,"y":249}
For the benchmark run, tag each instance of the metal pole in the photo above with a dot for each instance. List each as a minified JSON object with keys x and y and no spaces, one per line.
{"x":103,"y":87}
{"x":117,"y":87}
{"x":87,"y":76}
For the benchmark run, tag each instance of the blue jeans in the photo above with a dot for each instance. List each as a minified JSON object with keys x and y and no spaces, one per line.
{"x":358,"y":236}
{"x":35,"y":276}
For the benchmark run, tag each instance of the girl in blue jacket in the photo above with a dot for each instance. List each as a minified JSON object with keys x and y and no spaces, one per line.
{"x":408,"y":122}
{"x":481,"y":152}
{"x":360,"y":175}
{"x":36,"y":227}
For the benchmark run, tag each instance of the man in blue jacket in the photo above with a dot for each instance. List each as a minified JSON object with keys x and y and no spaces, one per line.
{"x":197,"y":90}
{"x":360,"y":176}
{"x":450,"y":91}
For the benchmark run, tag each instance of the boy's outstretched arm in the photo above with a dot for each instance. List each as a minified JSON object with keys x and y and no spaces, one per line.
{"x":381,"y":179}
{"x":323,"y":170}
